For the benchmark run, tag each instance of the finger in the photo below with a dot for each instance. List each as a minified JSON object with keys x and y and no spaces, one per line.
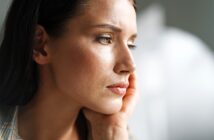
{"x":129,"y":103}
{"x":130,"y":99}
{"x":132,"y":81}
{"x":133,"y":87}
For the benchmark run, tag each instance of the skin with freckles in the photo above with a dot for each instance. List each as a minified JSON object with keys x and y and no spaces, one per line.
{"x":77,"y":70}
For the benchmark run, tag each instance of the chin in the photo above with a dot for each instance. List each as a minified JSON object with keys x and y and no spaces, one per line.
{"x":110,"y":108}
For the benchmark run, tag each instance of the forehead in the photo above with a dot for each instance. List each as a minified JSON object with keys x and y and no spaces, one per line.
{"x":118,"y":12}
{"x":110,"y":7}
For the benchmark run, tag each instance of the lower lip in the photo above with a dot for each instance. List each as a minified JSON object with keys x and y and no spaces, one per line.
{"x":118,"y":91}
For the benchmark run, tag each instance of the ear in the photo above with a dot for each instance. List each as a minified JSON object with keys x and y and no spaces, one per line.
{"x":41,"y":51}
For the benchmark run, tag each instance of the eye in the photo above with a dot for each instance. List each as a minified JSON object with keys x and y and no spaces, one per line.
{"x":132,"y":46}
{"x":104,"y":39}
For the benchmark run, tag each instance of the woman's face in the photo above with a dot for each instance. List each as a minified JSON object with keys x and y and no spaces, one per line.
{"x":91,"y":62}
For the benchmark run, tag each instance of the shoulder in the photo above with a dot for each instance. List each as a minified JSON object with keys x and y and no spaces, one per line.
{"x":6,"y":117}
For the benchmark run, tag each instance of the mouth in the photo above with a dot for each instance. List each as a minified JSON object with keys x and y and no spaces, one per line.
{"x":118,"y":89}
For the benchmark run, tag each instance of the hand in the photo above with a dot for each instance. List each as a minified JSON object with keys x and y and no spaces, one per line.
{"x":113,"y":127}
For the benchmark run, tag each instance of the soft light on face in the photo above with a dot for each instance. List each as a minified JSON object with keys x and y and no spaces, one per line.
{"x":94,"y":55}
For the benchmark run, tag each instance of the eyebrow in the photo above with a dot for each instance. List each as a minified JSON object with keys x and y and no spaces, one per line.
{"x":112,"y":27}
{"x":109,"y":26}
{"x":134,"y":36}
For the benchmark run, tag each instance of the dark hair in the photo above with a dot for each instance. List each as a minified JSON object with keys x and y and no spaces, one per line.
{"x":18,"y":71}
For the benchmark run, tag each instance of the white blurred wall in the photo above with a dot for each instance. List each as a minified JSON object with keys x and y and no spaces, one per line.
{"x":176,"y":76}
{"x":4,"y":5}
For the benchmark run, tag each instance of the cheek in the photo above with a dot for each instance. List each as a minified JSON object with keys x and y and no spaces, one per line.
{"x":83,"y":74}
{"x":82,"y":68}
{"x":93,"y":67}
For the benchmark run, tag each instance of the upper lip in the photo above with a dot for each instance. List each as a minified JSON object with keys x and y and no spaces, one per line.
{"x":119,"y":85}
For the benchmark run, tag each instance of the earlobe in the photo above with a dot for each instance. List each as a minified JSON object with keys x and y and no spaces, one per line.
{"x":41,"y":56}
{"x":40,"y":48}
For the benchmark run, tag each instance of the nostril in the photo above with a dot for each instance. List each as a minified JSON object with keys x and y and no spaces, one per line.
{"x":124,"y":71}
{"x":124,"y":68}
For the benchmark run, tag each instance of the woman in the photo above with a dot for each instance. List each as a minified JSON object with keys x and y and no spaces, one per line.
{"x":66,"y":70}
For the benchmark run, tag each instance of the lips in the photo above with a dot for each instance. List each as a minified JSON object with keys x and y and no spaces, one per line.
{"x":119,"y":89}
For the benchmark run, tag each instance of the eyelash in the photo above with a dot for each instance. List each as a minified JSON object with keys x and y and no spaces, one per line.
{"x":104,"y":39}
{"x":132,"y":46}
{"x":109,"y":39}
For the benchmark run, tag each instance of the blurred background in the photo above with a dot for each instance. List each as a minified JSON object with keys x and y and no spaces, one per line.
{"x":175,"y":67}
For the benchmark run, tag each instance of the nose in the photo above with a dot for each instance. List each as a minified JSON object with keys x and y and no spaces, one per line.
{"x":124,"y":60}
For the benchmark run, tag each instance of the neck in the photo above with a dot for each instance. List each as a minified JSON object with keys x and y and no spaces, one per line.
{"x":48,"y":116}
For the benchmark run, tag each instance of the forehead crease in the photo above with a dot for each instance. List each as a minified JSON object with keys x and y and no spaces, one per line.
{"x":110,"y":11}
{"x":109,"y":8}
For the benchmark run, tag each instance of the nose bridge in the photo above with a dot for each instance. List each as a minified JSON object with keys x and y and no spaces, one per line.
{"x":125,"y":62}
